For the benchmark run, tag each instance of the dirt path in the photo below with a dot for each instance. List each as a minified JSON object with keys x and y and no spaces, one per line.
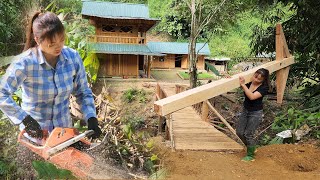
{"x":272,"y":162}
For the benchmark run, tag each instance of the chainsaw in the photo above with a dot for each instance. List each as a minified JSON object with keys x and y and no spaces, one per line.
{"x":64,"y":148}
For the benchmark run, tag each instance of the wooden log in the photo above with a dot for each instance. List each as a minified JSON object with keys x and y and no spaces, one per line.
{"x":199,"y":94}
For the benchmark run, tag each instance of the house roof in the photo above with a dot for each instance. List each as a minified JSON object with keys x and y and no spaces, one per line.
{"x":115,"y":10}
{"x":217,"y":58}
{"x":136,"y":49}
{"x":177,"y":48}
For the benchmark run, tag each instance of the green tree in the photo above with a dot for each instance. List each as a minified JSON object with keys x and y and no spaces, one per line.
{"x":302,"y":32}
{"x":205,"y":18}
{"x":13,"y":20}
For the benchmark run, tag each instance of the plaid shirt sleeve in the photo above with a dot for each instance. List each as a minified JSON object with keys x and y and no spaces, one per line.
{"x":82,"y":91}
{"x":10,"y":82}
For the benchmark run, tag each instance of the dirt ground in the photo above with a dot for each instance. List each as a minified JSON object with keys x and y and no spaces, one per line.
{"x":286,"y":161}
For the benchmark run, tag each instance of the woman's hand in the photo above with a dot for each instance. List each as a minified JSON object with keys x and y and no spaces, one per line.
{"x":32,"y":127}
{"x":241,"y":80}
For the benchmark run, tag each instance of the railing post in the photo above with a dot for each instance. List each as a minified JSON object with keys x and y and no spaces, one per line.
{"x":205,"y":111}
{"x":95,"y":39}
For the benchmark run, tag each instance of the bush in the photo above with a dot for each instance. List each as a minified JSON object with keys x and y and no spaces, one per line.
{"x":134,"y":94}
{"x":296,"y":118}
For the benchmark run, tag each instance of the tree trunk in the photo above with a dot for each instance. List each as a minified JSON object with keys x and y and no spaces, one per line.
{"x":192,"y":48}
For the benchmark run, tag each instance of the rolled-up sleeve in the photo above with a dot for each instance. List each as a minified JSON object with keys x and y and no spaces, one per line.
{"x":10,"y":82}
{"x":82,"y":91}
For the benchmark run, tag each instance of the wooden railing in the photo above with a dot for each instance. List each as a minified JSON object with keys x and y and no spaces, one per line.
{"x":160,"y":94}
{"x":116,"y":39}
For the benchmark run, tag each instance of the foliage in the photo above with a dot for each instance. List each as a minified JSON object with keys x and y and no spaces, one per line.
{"x":62,"y":6}
{"x":133,"y":94}
{"x":295,"y":118}
{"x":47,"y":170}
{"x":301,"y":29}
{"x":129,"y":1}
{"x":77,"y":30}
{"x":8,"y":134}
{"x":186,"y":75}
{"x":177,"y":21}
{"x":12,"y":25}
{"x":91,"y":63}
{"x":129,"y":144}
{"x":276,"y":140}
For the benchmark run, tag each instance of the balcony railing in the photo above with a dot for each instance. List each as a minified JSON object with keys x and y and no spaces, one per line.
{"x":116,"y":39}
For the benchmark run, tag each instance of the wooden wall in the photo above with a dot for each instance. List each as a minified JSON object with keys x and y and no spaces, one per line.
{"x":118,"y":65}
{"x":184,"y":62}
{"x":200,"y":63}
{"x":138,"y":33}
{"x":169,"y":62}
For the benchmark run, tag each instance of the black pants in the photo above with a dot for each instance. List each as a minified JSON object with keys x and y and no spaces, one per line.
{"x":248,"y":122}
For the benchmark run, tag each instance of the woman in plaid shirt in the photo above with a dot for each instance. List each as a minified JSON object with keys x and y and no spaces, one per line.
{"x":48,"y":73}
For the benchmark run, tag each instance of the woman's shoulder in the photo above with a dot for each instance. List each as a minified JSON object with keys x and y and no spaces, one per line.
{"x":69,"y":51}
{"x":24,"y":57}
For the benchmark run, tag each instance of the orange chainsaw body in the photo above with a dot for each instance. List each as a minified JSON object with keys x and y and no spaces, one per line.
{"x":69,"y":158}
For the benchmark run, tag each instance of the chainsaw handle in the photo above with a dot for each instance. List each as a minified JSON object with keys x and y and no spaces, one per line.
{"x":69,"y":142}
{"x":37,"y":149}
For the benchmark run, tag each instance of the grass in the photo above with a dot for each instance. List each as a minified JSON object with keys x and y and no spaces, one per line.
{"x":186,"y":75}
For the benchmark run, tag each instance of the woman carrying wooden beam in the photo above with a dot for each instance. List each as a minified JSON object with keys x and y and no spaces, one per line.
{"x":251,"y":115}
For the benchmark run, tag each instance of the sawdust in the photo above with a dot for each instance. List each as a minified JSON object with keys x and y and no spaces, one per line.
{"x":24,"y":159}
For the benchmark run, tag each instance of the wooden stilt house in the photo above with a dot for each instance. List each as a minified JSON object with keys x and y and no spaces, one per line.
{"x":121,"y":44}
{"x":120,"y":38}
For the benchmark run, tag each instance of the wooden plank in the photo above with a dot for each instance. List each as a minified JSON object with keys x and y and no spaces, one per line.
{"x":282,"y":51}
{"x":209,"y":146}
{"x":205,"y":111}
{"x":224,"y":121}
{"x":207,"y":91}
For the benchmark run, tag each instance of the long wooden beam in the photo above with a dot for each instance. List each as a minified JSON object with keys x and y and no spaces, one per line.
{"x":187,"y":98}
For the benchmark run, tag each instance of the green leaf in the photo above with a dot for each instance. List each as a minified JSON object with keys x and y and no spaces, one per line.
{"x":150,"y":144}
{"x":154,"y":157}
{"x":91,"y":63}
{"x":47,"y":170}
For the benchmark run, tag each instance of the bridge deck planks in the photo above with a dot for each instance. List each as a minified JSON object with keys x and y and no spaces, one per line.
{"x":190,"y":132}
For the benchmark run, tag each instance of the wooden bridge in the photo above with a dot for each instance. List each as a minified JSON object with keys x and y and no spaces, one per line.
{"x":188,"y":130}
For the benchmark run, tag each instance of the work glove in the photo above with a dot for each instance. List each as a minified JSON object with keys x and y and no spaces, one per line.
{"x":32,"y":127}
{"x":93,"y":125}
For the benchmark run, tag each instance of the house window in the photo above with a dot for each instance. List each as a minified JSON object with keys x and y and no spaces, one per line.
{"x":161,"y":59}
{"x":127,"y":29}
{"x":106,"y":28}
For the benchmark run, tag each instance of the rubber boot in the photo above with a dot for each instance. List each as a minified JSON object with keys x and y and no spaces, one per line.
{"x":250,"y":154}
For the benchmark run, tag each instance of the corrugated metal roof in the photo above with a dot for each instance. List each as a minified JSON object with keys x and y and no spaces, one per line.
{"x":109,"y":48}
{"x":115,"y":10}
{"x":217,"y":58}
{"x":177,"y":48}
